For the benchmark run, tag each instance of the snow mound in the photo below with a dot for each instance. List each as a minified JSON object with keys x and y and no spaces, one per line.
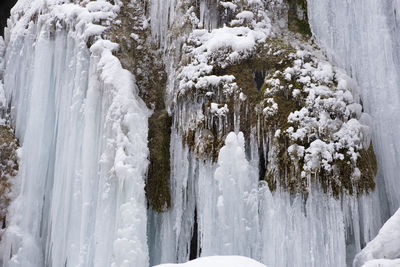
{"x":382,"y":263}
{"x":385,"y":245}
{"x":218,"y":261}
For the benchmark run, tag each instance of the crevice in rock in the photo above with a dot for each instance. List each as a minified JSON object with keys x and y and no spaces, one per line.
{"x":194,"y":241}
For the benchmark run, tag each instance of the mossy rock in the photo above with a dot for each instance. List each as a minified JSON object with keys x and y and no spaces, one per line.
{"x":157,"y":184}
{"x":8,"y":167}
{"x":298,"y":22}
{"x":140,"y":57}
{"x":368,"y":166}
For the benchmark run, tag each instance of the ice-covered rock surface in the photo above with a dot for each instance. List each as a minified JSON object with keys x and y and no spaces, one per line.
{"x":218,"y":261}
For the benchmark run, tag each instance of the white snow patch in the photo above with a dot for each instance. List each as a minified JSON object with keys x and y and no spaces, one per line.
{"x":218,"y":261}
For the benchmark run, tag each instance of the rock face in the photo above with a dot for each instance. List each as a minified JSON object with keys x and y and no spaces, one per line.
{"x":166,"y":130}
{"x":8,"y":169}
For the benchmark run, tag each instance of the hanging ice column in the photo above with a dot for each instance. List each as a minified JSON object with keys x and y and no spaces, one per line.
{"x":363,"y":37}
{"x":80,"y":192}
{"x":228,"y":204}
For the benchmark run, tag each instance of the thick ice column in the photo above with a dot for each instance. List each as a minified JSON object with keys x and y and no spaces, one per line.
{"x":80,"y":197}
{"x":228,"y":204}
{"x":25,"y":237}
{"x":170,"y":233}
{"x":64,"y":190}
{"x":298,"y":232}
{"x":362,"y":36}
{"x":120,"y":229}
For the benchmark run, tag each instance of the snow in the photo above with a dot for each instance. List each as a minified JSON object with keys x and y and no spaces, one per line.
{"x":229,"y":5}
{"x":385,"y":245}
{"x":382,"y":263}
{"x":219,"y":111}
{"x":218,"y":261}
{"x":229,"y":42}
{"x":330,"y":117}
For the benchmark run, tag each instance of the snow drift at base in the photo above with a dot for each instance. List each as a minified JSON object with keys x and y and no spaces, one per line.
{"x":218,"y":261}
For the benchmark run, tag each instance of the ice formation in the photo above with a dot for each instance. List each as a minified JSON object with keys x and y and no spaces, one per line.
{"x":363,"y":38}
{"x":84,"y":133}
{"x":243,"y":93}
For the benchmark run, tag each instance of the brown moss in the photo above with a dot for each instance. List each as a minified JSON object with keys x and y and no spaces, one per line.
{"x":205,"y":143}
{"x":368,"y":166}
{"x":212,"y":146}
{"x":298,"y":23}
{"x":270,"y":179}
{"x":189,"y":139}
{"x":157,"y":184}
{"x":8,"y":167}
{"x":286,"y":105}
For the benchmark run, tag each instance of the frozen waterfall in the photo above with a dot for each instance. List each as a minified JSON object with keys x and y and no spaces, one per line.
{"x":79,"y":197}
{"x":363,"y":37}
{"x":83,"y":130}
